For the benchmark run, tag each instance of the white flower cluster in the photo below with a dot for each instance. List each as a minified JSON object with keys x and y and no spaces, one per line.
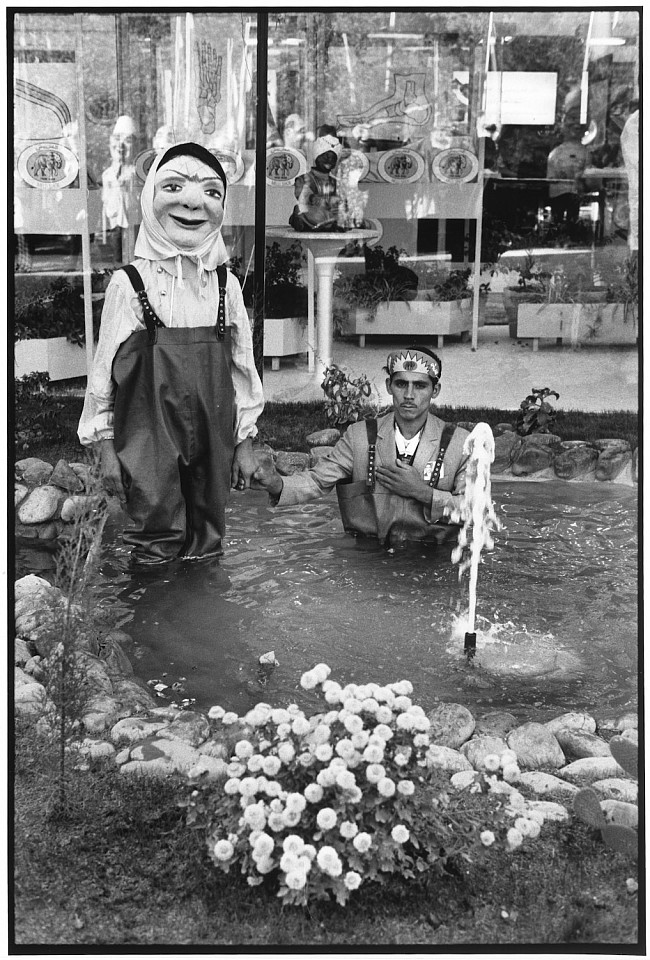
{"x":298,"y":784}
{"x":528,"y":823}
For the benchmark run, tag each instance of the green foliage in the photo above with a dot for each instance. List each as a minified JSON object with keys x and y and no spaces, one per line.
{"x":446,"y":287}
{"x":536,"y":415}
{"x":37,"y":414}
{"x":338,"y":800}
{"x":586,"y":803}
{"x":626,"y":755}
{"x":70,"y":620}
{"x":285,"y":295}
{"x":58,"y":311}
{"x":346,"y":398}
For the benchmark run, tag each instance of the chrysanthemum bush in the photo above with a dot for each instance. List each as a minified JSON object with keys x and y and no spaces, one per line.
{"x":321,"y":806}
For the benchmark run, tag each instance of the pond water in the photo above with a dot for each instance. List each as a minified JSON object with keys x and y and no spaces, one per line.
{"x":556,"y":611}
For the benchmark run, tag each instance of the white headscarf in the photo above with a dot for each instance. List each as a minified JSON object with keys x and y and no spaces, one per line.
{"x":154,"y":244}
{"x":325,"y":144}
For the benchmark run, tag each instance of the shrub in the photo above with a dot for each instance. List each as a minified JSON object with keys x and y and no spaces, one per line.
{"x":320,"y":806}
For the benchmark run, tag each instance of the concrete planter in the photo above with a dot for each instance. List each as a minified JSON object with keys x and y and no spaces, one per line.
{"x":56,"y":356}
{"x":414,"y":318}
{"x":597,"y":323}
{"x":284,"y":337}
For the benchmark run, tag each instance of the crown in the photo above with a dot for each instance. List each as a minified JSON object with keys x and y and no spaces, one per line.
{"x":412,"y":362}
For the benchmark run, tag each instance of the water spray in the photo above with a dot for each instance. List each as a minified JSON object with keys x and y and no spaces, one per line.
{"x":478,"y":519}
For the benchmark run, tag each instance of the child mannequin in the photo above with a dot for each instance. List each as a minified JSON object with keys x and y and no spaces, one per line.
{"x":317,"y":206}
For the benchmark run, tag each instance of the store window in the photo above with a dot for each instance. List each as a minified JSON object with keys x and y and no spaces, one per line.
{"x":96,"y":96}
{"x":468,"y":147}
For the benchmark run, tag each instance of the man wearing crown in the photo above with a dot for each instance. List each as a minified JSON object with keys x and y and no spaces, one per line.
{"x":398,"y":477}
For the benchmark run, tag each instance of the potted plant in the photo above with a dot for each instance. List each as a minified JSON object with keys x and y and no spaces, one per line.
{"x":529,"y":289}
{"x":285,"y":302}
{"x":566,"y":307}
{"x":49,"y":327}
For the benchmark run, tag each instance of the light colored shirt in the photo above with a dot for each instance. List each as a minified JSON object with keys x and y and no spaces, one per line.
{"x":185,"y":306}
{"x":406,"y":448}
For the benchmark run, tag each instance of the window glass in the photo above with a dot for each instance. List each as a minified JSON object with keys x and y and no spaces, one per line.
{"x":96,"y":96}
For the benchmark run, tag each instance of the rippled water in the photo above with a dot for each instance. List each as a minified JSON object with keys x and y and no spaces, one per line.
{"x":556,"y":611}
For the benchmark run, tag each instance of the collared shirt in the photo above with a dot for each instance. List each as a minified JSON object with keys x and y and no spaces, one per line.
{"x":187,"y":306}
{"x":406,"y":448}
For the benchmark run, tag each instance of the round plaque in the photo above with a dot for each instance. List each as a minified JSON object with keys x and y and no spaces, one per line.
{"x":455,"y":165}
{"x":400,"y":166}
{"x":48,"y":166}
{"x":143,"y":162}
{"x":232,"y":163}
{"x":283,"y":165}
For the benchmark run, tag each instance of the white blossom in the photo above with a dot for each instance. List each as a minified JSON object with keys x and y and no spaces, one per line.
{"x":399,"y":833}
{"x":223,"y":850}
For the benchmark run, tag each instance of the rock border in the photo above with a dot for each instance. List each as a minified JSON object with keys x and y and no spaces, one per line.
{"x":123,"y":725}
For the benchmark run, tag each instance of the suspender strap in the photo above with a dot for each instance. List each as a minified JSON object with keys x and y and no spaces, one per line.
{"x":151,"y":319}
{"x":371,"y":430}
{"x":447,"y":434}
{"x":222,"y":277}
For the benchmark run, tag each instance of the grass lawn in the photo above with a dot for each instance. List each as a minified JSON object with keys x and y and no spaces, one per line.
{"x":121,"y":867}
{"x":285,"y":426}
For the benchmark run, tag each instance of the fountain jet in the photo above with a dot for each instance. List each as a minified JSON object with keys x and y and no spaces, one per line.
{"x":477,"y":517}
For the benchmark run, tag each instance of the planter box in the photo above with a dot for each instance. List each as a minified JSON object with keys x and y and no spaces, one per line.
{"x":597,"y":323}
{"x":56,"y":356}
{"x":414,"y":318}
{"x":283,"y":337}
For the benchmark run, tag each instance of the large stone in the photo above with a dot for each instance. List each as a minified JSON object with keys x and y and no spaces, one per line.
{"x":109,"y":649}
{"x":34,"y":668}
{"x":622,"y":813}
{"x":616,"y":788}
{"x":49,"y":531}
{"x":323,"y":438}
{"x":611,"y":443}
{"x":209,"y":769}
{"x":549,"y":810}
{"x":79,"y":505}
{"x":40,"y":505}
{"x":503,"y":427}
{"x":20,"y":492}
{"x":533,"y":454}
{"x":318,"y":453}
{"x":133,"y":729}
{"x":101,"y":750}
{"x":33,"y":470}
{"x":444,"y":758}
{"x":503,"y":444}
{"x":82,"y":470}
{"x":133,"y":694}
{"x":631,"y":734}
{"x":536,"y":747}
{"x":288,"y":463}
{"x":192,"y":728}
{"x":451,"y":725}
{"x":574,"y":459}
{"x":30,"y":699}
{"x":64,"y":476}
{"x":546,"y":783}
{"x":611,"y":461}
{"x":629,"y":721}
{"x":577,"y":744}
{"x":572,"y":721}
{"x":591,"y":769}
{"x":22,"y":678}
{"x":163,"y":754}
{"x":464,"y":779}
{"x":498,"y":723}
{"x":22,"y":652}
{"x":478,"y":748}
{"x":96,"y":676}
{"x":214,"y":748}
